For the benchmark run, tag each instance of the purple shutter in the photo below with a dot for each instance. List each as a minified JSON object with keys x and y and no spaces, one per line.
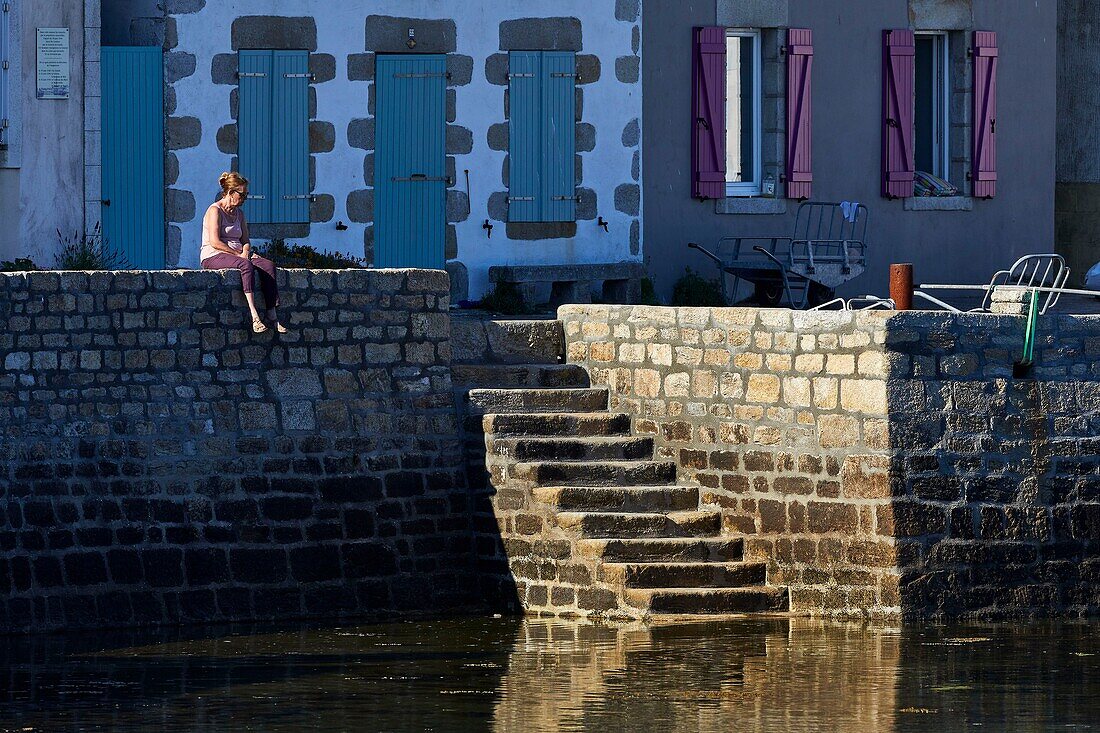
{"x":800,"y":59}
{"x":708,"y":113}
{"x":984,"y":159}
{"x":898,"y":51}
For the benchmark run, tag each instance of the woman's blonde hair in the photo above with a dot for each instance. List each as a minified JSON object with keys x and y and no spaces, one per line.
{"x":231,"y":180}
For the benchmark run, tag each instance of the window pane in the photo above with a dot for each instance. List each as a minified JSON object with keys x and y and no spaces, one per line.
{"x":930,"y":114}
{"x":924,"y":121}
{"x":740,"y":108}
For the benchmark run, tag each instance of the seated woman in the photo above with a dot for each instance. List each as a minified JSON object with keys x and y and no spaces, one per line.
{"x":225,"y":244}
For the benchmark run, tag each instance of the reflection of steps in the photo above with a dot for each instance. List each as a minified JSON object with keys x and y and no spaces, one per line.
{"x":593,"y":525}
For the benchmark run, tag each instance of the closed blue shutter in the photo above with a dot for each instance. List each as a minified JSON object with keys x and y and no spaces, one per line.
{"x":411,"y":166}
{"x":559,"y":189}
{"x":254,"y":131}
{"x":132,"y":125}
{"x":525,"y":136}
{"x":290,"y":137}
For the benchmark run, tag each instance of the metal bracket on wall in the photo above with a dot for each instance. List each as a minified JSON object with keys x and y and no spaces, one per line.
{"x":421,"y":178}
{"x":311,"y":77}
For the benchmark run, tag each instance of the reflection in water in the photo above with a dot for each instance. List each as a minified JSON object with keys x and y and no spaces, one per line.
{"x":553,"y":675}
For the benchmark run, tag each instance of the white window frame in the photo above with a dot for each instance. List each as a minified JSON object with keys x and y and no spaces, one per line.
{"x":754,"y":187}
{"x":941,"y":102}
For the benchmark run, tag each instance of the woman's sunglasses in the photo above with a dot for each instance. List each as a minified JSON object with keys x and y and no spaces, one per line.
{"x":242,"y":194}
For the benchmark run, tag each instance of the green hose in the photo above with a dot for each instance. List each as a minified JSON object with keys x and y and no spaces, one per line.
{"x":1029,"y":333}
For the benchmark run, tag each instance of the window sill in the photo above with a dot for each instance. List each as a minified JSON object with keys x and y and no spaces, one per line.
{"x":750,"y":205}
{"x":939,"y":203}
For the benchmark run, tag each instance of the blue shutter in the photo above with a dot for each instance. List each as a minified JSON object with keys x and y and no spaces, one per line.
{"x":290,"y":137}
{"x":557,"y":194}
{"x":411,"y":161}
{"x":254,"y":131}
{"x":132,"y":123}
{"x":525,"y":136}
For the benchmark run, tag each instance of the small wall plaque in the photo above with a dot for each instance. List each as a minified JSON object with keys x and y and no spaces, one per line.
{"x":53,"y":63}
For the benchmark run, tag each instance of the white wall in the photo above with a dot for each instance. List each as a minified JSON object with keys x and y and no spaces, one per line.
{"x":10,"y":239}
{"x":608,"y":104}
{"x":52,"y":161}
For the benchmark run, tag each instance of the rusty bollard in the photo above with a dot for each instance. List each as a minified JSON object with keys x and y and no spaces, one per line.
{"x":901,"y":286}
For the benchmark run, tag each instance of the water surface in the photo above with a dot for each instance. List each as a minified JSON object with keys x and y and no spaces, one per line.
{"x":538,"y":675}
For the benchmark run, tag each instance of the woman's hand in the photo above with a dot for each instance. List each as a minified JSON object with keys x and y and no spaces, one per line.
{"x":246,"y":251}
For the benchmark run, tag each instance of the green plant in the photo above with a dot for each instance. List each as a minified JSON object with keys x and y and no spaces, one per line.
{"x":692,"y":289}
{"x":505,"y":299}
{"x":648,"y":296}
{"x":88,"y":251}
{"x":19,"y":264}
{"x":285,"y":254}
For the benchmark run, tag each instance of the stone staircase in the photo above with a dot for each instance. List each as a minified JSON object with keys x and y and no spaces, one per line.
{"x":591,"y":524}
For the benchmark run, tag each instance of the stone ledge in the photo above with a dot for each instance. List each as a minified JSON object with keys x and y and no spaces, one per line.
{"x":747,"y":205}
{"x":939,"y":203}
{"x":552,"y":273}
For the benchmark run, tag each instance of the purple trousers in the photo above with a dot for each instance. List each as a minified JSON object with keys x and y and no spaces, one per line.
{"x":257,"y":267}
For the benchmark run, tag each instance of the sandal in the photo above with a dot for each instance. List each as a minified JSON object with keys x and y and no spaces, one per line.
{"x":281,"y":328}
{"x":258,"y":326}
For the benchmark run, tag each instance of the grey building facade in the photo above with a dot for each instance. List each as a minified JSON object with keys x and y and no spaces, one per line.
{"x":955,"y":238}
{"x":1077,"y":193}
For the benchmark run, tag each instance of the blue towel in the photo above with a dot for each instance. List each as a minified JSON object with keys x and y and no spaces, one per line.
{"x":850,"y":209}
{"x":1092,"y":277}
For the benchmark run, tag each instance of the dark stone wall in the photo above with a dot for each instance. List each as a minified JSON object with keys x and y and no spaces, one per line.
{"x":995,"y":476}
{"x":159,"y":463}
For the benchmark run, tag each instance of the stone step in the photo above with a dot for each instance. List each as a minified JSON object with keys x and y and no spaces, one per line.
{"x":479,"y":340}
{"x":684,"y":574}
{"x":630,"y":525}
{"x":576,"y":424}
{"x":573,"y":449}
{"x":604,"y":473}
{"x":708,"y":600}
{"x":619,"y":498}
{"x":507,"y":401}
{"x":662,"y":550}
{"x":516,"y":376}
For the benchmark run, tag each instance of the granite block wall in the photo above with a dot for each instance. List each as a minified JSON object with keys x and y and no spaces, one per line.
{"x":882,"y":463}
{"x":160,"y":463}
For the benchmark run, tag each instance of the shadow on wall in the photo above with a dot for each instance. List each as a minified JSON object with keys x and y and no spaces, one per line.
{"x":162,"y":464}
{"x":993,"y":477}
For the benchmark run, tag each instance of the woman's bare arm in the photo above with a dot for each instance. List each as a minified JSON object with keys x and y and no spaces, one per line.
{"x":211,"y":224}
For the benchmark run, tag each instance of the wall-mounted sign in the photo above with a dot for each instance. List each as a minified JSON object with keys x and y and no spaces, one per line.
{"x":53,"y":63}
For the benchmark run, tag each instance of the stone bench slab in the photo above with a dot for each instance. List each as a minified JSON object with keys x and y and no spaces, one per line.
{"x":612,"y":282}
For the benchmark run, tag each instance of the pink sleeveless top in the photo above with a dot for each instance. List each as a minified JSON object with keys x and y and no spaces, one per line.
{"x":230,"y":231}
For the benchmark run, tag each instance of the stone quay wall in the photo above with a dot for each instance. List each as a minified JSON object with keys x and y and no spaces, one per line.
{"x":160,"y":463}
{"x":881,"y":463}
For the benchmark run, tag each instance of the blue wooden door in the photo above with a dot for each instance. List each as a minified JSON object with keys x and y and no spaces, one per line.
{"x":133,"y":154}
{"x":410,"y":171}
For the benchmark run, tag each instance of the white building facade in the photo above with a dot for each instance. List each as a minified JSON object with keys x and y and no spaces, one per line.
{"x":411,"y":132}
